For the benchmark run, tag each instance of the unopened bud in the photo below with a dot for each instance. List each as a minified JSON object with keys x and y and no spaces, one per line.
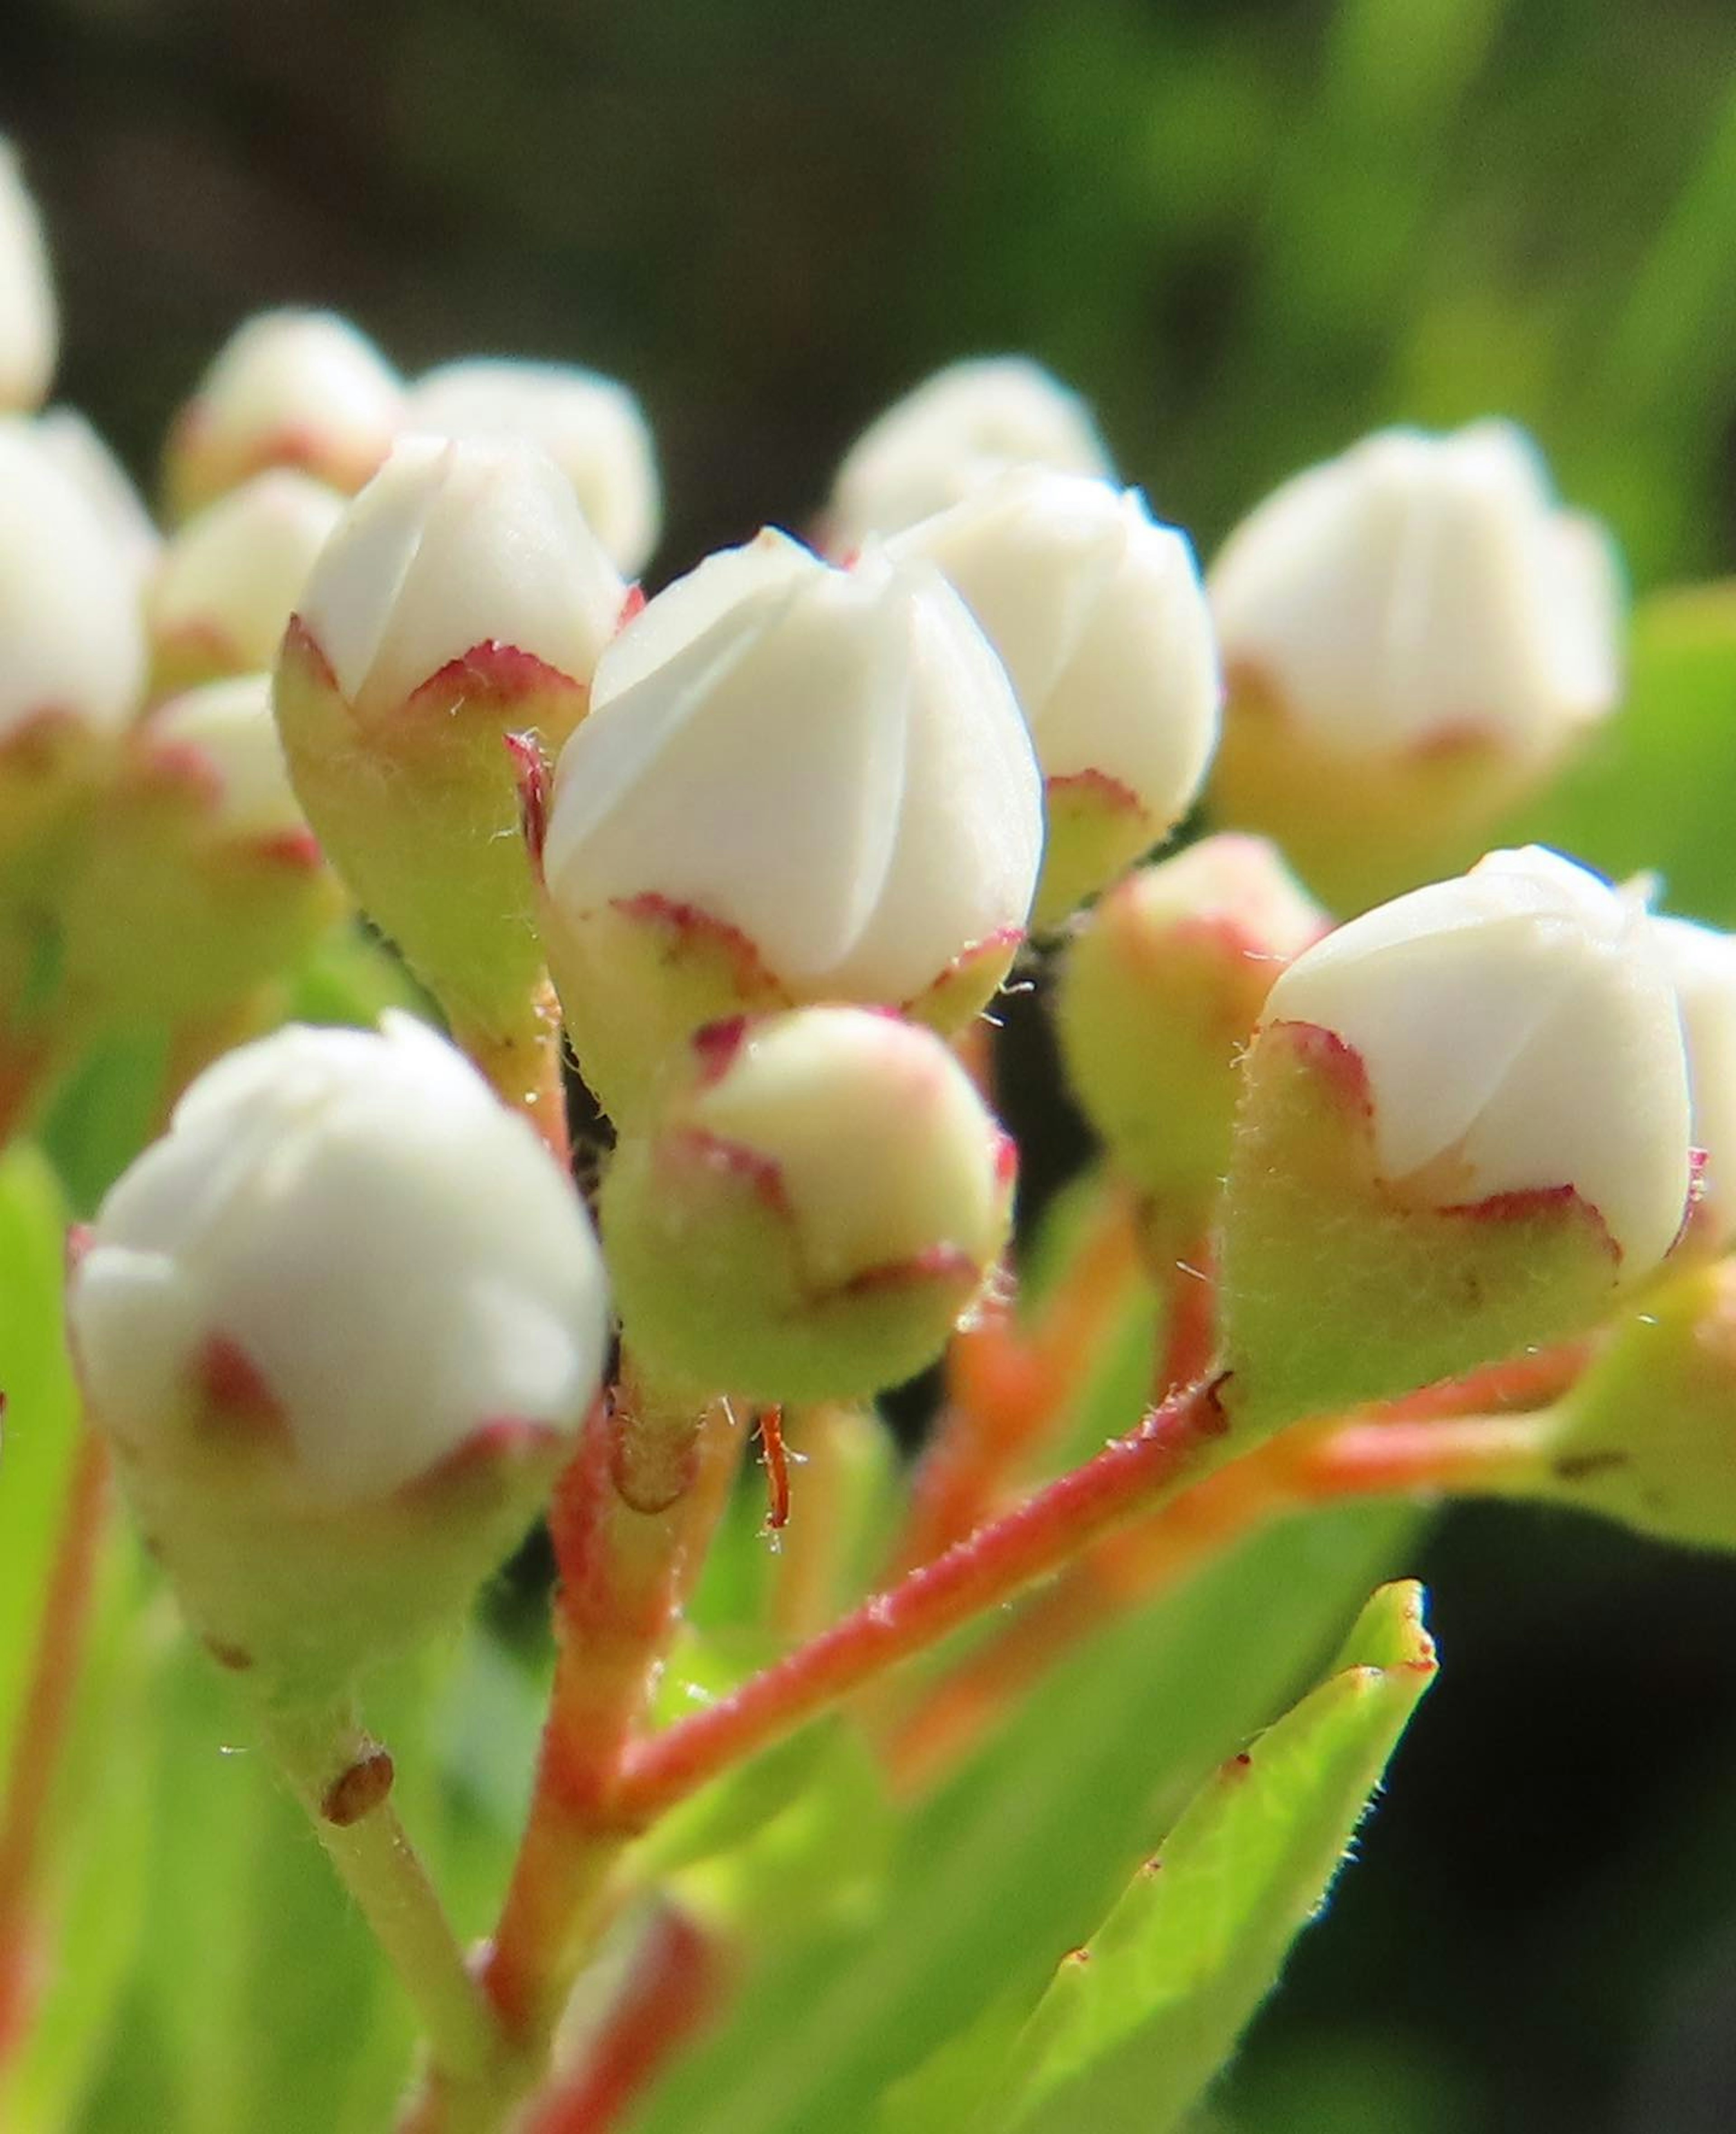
{"x":200,"y":881}
{"x":816,"y":1199}
{"x":1648,"y":1434}
{"x":29,"y":325}
{"x":340,"y":1326}
{"x":70,"y":442}
{"x":1463,"y":1130}
{"x":1702,"y":964}
{"x":229,"y":581}
{"x":957,"y":430}
{"x":1098,"y":616}
{"x":71,"y":636}
{"x":461,"y":598}
{"x":591,"y":426}
{"x":1414,"y":635}
{"x":798,"y":784}
{"x":1160,"y":990}
{"x":292,"y":389}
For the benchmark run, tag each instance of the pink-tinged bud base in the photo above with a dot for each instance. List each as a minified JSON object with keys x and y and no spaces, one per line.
{"x":1095,"y":828}
{"x":417,"y":805}
{"x":1339,"y":1286}
{"x":200,"y":465}
{"x":1359,"y":829}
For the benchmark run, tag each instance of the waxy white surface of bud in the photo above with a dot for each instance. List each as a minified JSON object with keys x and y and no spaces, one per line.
{"x":294,"y":389}
{"x":1701,"y":960}
{"x":461,"y":598}
{"x":952,"y":432}
{"x":797,"y":783}
{"x":29,"y":324}
{"x":1414,"y":635}
{"x":591,"y":426}
{"x":1100,"y":619}
{"x":457,"y":549}
{"x":228,"y":582}
{"x":353,"y":1220}
{"x":1423,"y":589}
{"x":71,"y":634}
{"x":341,"y":1324}
{"x":1463,"y":1130}
{"x":816,"y":1198}
{"x":81,"y":454}
{"x":1519,"y":1034}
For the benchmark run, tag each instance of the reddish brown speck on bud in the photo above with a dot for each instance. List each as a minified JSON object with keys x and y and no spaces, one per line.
{"x":632,"y":606}
{"x":234,"y":1387}
{"x":533,"y":788}
{"x":715,"y":1046}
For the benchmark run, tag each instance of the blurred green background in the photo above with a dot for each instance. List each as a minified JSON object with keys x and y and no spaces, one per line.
{"x":1247,"y":230}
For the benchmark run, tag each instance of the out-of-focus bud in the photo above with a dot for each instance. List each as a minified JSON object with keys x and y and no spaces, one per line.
{"x":1099,"y":617}
{"x":462,"y":598}
{"x":229,"y":581}
{"x":292,"y":389}
{"x":1463,"y":1130}
{"x":798,"y":784}
{"x":952,"y":433}
{"x":1702,"y":962}
{"x":340,"y":1325}
{"x":1648,"y":1434}
{"x":69,"y":441}
{"x":814,"y":1200}
{"x":591,"y":426}
{"x":29,"y":323}
{"x":1160,"y":990}
{"x":1414,"y":635}
{"x":201,"y":881}
{"x":71,"y":637}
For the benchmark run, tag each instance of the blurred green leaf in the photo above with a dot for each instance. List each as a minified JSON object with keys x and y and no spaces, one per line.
{"x":1138,"y":2020}
{"x":1657,"y":785}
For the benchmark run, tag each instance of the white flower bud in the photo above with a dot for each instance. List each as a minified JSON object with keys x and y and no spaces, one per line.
{"x":225,"y":736}
{"x":228,"y":582}
{"x":954,"y":432}
{"x":461,"y":599}
{"x":453,"y":549}
{"x":1420,"y":590}
{"x":591,"y":426}
{"x":1099,"y":617}
{"x":821,"y":774}
{"x":67,"y":439}
{"x":289,"y":388}
{"x":1702,"y":962}
{"x":71,"y":636}
{"x":357,"y":1219}
{"x":1519,"y":1035}
{"x":29,"y":325}
{"x":817,"y":1198}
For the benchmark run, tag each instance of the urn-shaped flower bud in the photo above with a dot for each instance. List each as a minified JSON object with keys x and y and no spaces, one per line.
{"x":201,"y":843}
{"x":1463,"y":1129}
{"x":1414,"y":634}
{"x":229,"y":581}
{"x":339,"y":1325}
{"x":1100,"y":620}
{"x":952,"y":432}
{"x":1160,"y":990}
{"x":461,"y":598}
{"x":1702,"y":962}
{"x":294,"y":388}
{"x":29,"y":324}
{"x":1647,"y":1436}
{"x":798,"y":784}
{"x":71,"y":635}
{"x":70,"y":442}
{"x":814,"y":1200}
{"x":591,"y":426}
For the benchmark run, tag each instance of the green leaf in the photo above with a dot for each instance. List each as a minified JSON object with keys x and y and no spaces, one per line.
{"x":1657,"y":785}
{"x":1138,"y":2020}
